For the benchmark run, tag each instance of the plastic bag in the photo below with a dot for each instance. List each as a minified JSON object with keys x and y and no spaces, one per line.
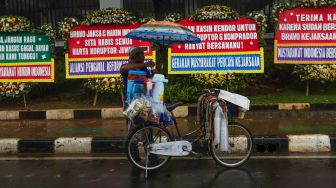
{"x":234,"y":98}
{"x":166,"y":118}
{"x":134,"y":108}
{"x":153,"y":118}
{"x":146,"y":110}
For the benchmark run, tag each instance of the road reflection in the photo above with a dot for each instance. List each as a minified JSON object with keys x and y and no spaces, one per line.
{"x":188,"y":174}
{"x":234,"y":177}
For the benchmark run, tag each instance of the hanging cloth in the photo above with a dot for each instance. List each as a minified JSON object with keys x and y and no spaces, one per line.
{"x":199,"y":106}
{"x":220,"y":127}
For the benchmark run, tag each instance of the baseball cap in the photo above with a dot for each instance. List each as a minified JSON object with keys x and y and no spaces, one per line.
{"x":134,"y":50}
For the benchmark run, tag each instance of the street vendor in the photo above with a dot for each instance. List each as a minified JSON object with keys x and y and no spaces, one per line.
{"x":136,"y":62}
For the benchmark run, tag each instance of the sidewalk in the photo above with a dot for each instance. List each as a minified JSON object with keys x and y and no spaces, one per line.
{"x":90,"y":131}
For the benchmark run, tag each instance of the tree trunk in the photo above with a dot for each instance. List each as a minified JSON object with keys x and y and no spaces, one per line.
{"x":122,"y":97}
{"x":307,"y":88}
{"x":25,"y":101}
{"x":95,"y":99}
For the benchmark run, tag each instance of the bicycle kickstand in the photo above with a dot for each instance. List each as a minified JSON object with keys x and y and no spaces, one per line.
{"x":197,"y":155}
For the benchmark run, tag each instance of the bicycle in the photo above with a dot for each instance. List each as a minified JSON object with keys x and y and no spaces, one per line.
{"x":150,"y":145}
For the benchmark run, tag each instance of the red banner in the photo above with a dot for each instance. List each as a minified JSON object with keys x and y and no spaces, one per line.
{"x":306,"y":36}
{"x":41,"y":73}
{"x":221,"y":36}
{"x":307,"y":25}
{"x":103,"y":41}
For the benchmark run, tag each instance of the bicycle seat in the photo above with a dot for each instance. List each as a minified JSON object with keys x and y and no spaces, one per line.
{"x":171,"y":107}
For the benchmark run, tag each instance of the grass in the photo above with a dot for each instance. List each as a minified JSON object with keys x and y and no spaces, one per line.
{"x":296,"y":94}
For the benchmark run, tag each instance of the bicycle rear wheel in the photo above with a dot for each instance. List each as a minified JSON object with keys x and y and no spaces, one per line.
{"x":240,"y":144}
{"x":137,"y":151}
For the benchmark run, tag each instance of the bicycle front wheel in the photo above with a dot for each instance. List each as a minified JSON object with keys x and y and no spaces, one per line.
{"x":240,"y":144}
{"x":137,"y":147}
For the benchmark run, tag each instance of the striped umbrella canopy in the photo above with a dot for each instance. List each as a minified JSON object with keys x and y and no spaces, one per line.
{"x":164,"y":33}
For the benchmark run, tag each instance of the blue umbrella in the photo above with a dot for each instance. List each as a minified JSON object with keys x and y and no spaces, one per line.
{"x":163,"y":33}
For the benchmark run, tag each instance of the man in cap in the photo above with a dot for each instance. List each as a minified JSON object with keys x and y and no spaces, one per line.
{"x":136,"y":56}
{"x":136,"y":61}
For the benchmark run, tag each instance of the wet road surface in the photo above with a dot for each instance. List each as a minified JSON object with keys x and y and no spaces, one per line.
{"x":116,"y":127}
{"x":261,"y":172}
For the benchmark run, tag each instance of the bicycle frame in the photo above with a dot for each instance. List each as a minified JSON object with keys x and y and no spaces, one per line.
{"x":159,"y":141}
{"x":201,"y":128}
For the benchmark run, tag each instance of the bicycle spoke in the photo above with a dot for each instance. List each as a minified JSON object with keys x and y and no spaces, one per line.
{"x":140,"y":156}
{"x":240,"y":147}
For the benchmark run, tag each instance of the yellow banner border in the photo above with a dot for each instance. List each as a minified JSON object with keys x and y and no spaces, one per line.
{"x":51,"y":79}
{"x":260,"y":52}
{"x":67,"y":75}
{"x":276,"y":45}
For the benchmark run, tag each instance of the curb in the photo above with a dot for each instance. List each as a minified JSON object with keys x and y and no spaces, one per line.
{"x":90,"y":145}
{"x":282,"y":110}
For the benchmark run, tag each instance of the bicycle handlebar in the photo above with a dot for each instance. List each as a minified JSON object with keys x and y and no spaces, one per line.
{"x":212,"y":91}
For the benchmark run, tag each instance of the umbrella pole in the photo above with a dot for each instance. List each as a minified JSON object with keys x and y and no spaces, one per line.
{"x":160,"y":59}
{"x":164,"y":56}
{"x":162,"y":64}
{"x":163,"y":52}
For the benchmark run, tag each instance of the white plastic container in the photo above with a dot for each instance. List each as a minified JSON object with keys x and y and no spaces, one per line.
{"x":149,"y":87}
{"x":158,"y":90}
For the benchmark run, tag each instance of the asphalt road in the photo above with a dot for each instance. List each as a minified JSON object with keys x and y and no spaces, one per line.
{"x":34,"y":172}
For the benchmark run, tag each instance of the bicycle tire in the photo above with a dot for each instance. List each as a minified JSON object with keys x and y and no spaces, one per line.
{"x":135,"y":140}
{"x":238,"y":152}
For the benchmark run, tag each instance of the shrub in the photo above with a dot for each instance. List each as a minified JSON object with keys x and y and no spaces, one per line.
{"x":181,"y":88}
